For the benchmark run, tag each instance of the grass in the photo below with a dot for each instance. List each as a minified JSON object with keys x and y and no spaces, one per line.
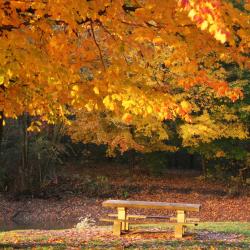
{"x":22,"y":238}
{"x":224,"y":227}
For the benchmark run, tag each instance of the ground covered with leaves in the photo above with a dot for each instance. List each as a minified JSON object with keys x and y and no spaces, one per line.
{"x":48,"y":220}
{"x":61,"y":204}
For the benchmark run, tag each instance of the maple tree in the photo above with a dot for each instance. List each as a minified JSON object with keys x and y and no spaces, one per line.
{"x":227,"y":135}
{"x":133,"y":63}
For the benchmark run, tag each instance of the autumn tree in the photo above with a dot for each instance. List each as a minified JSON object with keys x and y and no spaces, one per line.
{"x":132,"y":64}
{"x":228,"y":149}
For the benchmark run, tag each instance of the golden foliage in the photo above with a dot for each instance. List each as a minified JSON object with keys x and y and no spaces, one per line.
{"x":205,"y":129}
{"x":129,"y":59}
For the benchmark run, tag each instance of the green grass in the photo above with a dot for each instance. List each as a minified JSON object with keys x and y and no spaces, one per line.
{"x":226,"y":227}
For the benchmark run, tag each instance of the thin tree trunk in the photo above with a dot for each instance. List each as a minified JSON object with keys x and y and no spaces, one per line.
{"x":191,"y":161}
{"x":176,"y":163}
{"x":204,"y":170}
{"x":1,"y":131}
{"x":24,"y":167}
{"x":25,"y":142}
{"x":132,"y":160}
{"x":2,"y":89}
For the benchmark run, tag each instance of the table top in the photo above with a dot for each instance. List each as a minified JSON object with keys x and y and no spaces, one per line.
{"x":152,"y":204}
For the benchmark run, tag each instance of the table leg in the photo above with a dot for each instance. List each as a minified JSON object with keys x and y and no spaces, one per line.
{"x":179,"y":229}
{"x":122,"y":215}
{"x":117,"y":228}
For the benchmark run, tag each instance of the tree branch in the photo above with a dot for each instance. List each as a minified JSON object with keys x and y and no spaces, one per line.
{"x":97,"y":45}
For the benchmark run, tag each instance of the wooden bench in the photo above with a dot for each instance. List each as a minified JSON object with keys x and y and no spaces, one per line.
{"x":122,"y":219}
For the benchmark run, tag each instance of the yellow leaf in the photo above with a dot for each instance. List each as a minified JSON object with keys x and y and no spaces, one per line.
{"x":149,"y":109}
{"x":75,"y":87}
{"x":192,"y":13}
{"x":116,"y":97}
{"x":108,"y":103}
{"x":38,"y":123}
{"x":210,"y":19}
{"x":212,"y":28}
{"x":186,"y":106}
{"x":9,"y":73}
{"x":222,"y":56}
{"x":88,"y":107}
{"x":220,"y":37}
{"x":204,"y":25}
{"x":128,"y":103}
{"x":158,"y":40}
{"x":96,"y":90}
{"x":220,"y":154}
{"x":1,"y":80}
{"x":33,"y":128}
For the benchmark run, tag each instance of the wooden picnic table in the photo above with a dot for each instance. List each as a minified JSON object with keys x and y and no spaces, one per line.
{"x":122,"y":218}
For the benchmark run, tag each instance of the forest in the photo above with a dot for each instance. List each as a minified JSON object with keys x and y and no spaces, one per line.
{"x":144,"y":100}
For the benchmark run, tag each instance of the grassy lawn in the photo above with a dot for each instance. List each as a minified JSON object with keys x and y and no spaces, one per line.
{"x":227,"y":227}
{"x":210,"y":235}
{"x":224,"y":227}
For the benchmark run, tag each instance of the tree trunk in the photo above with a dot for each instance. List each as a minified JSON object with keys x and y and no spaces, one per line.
{"x":2,"y":89}
{"x":176,"y":162}
{"x":131,"y":159}
{"x":1,"y":131}
{"x":24,"y":142}
{"x":191,"y":161}
{"x":24,"y":172}
{"x":203,"y":165}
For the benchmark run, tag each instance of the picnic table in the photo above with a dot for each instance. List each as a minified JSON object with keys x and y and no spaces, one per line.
{"x":122,"y":219}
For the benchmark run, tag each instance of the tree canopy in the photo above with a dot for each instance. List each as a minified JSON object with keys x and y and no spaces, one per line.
{"x":125,"y":68}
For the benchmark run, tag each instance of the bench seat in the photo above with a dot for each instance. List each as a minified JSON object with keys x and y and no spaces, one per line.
{"x":138,"y":216}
